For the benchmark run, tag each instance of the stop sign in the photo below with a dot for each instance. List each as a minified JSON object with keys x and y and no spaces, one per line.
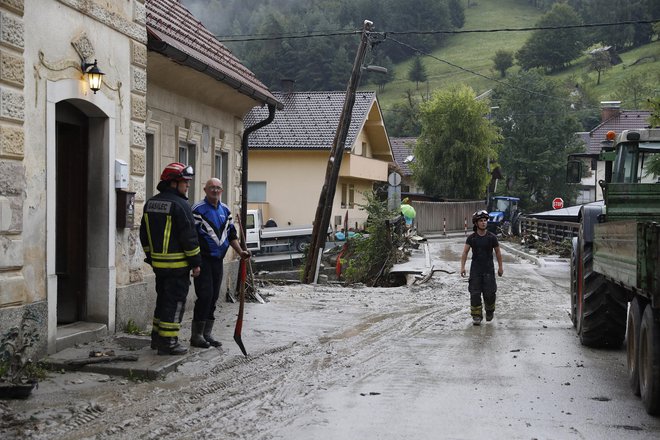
{"x":557,"y":203}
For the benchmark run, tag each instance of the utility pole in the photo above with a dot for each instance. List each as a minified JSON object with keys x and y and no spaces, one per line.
{"x":324,"y":208}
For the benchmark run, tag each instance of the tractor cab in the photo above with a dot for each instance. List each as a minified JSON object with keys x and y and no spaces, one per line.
{"x":504,"y":215}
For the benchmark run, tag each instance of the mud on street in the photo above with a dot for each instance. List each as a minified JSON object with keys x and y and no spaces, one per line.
{"x":328,"y":362}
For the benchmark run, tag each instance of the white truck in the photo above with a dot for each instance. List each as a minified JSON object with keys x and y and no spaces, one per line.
{"x":288,"y":239}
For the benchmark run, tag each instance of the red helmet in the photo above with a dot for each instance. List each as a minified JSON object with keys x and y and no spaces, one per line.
{"x":479,"y":215}
{"x":177,"y":171}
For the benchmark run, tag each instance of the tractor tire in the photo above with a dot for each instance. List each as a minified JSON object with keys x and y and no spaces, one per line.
{"x":507,"y":228}
{"x":517,"y":227}
{"x":602,"y":307}
{"x":632,"y":344}
{"x":649,"y":360}
{"x":574,"y":281}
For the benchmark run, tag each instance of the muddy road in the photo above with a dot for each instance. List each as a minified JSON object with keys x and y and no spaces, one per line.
{"x":367,"y":363}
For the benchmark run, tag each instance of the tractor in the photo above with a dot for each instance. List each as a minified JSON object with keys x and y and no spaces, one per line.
{"x":504,"y":216}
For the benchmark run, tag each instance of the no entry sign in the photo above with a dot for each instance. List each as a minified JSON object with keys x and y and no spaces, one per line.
{"x":557,"y":203}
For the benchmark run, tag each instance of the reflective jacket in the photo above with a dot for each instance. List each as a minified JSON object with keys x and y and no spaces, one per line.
{"x":167,"y":231}
{"x":215,"y":228}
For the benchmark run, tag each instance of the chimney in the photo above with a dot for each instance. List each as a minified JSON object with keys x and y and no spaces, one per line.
{"x":288,"y":85}
{"x":609,"y":110}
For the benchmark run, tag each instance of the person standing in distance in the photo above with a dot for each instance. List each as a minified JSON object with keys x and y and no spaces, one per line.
{"x":216,"y":232}
{"x":169,"y":240}
{"x":482,"y":269}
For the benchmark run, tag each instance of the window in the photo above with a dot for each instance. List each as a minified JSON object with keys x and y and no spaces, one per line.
{"x":347,"y":195}
{"x":351,"y":196}
{"x":187,"y":157}
{"x":364,"y":149}
{"x":256,"y":192}
{"x":221,"y":171}
{"x":149,"y":182}
{"x":344,"y":192}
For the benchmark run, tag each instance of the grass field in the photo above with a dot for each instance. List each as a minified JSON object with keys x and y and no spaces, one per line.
{"x":475,"y":52}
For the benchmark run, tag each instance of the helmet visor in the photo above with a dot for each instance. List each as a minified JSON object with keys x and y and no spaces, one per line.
{"x":187,"y":173}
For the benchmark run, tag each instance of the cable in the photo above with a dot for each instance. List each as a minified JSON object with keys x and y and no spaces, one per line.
{"x":299,"y":35}
{"x":476,"y":73}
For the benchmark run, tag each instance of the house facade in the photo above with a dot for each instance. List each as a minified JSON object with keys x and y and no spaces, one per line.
{"x":613,"y":118}
{"x":76,"y":165}
{"x":288,"y":158}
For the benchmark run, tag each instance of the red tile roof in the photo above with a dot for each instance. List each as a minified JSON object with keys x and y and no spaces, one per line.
{"x":168,"y":21}
{"x":625,"y":120}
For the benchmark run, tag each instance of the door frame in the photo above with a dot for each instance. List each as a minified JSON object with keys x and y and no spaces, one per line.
{"x":101,"y":272}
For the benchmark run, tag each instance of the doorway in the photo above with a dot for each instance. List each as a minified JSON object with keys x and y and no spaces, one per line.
{"x":71,"y":170}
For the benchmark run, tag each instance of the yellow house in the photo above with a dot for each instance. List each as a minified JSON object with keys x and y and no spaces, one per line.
{"x":288,"y":158}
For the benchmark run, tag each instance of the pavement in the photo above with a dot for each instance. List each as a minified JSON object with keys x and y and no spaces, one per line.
{"x":108,"y":355}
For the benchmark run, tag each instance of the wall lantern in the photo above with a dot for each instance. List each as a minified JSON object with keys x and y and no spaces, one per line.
{"x":94,"y":76}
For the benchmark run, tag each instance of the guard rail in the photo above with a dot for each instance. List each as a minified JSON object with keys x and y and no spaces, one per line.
{"x":551,"y":230}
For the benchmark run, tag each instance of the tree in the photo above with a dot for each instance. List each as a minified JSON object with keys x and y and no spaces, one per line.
{"x":633,"y":90}
{"x":600,"y":61}
{"x":417,"y":72}
{"x":456,"y":143}
{"x":502,"y":60}
{"x":553,"y":49}
{"x":539,"y":128}
{"x":402,"y":119}
{"x":456,"y":13}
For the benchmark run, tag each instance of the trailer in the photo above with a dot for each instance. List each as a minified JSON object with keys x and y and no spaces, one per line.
{"x":615,"y":260}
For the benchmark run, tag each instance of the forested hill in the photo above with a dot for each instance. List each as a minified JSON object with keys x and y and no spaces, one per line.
{"x":427,"y":44}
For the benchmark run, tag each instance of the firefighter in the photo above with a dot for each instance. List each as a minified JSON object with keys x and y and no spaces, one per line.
{"x":169,"y":240}
{"x":482,"y":269}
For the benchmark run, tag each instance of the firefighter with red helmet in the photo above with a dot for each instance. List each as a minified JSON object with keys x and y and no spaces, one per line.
{"x":482,"y":270}
{"x":169,"y":240}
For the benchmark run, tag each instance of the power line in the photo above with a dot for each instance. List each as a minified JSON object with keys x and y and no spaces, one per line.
{"x":300,"y":35}
{"x":504,"y":83}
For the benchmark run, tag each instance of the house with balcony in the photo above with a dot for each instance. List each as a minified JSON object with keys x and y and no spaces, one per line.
{"x":288,"y":158}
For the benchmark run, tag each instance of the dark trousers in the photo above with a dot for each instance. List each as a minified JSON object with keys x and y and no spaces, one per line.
{"x":172,"y":290}
{"x":482,"y":283}
{"x":207,"y":288}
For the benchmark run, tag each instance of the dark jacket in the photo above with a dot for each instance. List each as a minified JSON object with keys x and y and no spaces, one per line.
{"x":167,"y":231}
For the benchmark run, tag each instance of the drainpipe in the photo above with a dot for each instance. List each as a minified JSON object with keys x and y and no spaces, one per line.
{"x":244,"y":161}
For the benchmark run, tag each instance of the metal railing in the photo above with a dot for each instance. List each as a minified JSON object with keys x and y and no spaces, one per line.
{"x":550,"y":229}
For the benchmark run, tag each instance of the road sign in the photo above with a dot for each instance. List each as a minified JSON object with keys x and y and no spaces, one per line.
{"x":394,"y":179}
{"x":557,"y":203}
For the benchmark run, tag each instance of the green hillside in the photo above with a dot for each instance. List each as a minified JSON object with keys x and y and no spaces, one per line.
{"x":475,"y":52}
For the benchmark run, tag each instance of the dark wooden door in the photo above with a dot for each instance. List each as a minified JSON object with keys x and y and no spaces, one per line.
{"x":71,"y":217}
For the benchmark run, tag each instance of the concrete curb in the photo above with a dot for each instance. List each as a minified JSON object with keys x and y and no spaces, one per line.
{"x":522,"y":254}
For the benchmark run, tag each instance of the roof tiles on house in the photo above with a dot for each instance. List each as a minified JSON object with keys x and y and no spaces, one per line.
{"x":308,"y":120}
{"x":169,"y":22}
{"x":402,"y":148}
{"x":625,"y":120}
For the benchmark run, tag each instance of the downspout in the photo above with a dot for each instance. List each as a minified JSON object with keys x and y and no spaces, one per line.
{"x":244,"y":161}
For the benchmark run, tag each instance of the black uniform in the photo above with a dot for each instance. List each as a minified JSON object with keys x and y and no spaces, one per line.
{"x":482,"y":272}
{"x":169,"y":240}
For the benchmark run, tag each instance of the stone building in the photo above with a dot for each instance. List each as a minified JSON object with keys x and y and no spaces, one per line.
{"x":76,"y":165}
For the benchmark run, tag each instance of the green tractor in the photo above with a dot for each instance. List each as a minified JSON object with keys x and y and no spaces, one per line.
{"x":615,"y":263}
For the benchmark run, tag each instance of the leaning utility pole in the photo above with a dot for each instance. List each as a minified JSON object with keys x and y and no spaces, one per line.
{"x":324,"y":208}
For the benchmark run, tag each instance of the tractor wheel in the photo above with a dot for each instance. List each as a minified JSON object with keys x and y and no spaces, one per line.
{"x":506,"y":228}
{"x":632,"y":345}
{"x":574,"y":281}
{"x":649,"y":360}
{"x":601,"y":307}
{"x":517,"y":227}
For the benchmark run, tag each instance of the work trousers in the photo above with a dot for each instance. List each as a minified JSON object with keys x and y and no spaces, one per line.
{"x":482,"y":284}
{"x":172,"y":290}
{"x":207,"y":288}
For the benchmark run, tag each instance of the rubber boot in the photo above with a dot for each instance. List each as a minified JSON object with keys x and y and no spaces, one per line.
{"x":197,"y":335}
{"x":154,"y":333}
{"x":170,"y":346}
{"x":207,"y":335}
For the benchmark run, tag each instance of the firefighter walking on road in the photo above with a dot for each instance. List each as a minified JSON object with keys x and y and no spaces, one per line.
{"x":170,"y":243}
{"x":482,"y":270}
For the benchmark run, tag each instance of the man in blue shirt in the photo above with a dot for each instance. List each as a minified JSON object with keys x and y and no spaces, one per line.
{"x":216,"y":232}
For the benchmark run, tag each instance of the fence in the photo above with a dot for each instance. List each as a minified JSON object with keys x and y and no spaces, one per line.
{"x":449,"y":216}
{"x":549,"y":229}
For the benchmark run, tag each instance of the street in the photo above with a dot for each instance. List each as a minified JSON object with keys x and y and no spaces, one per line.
{"x":328,"y":362}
